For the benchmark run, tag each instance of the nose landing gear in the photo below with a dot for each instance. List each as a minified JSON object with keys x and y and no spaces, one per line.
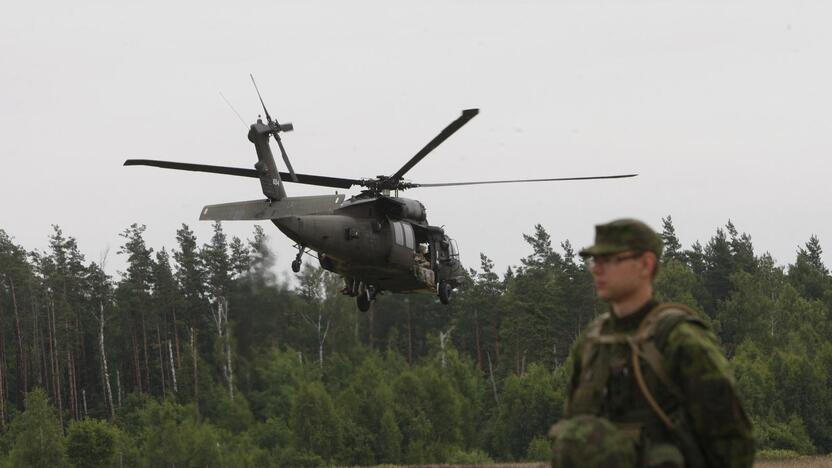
{"x":444,"y":292}
{"x":366,"y":295}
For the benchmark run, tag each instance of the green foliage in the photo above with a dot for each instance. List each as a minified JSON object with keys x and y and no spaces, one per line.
{"x":471,"y":457}
{"x":529,"y":405}
{"x":539,"y":450}
{"x":789,"y":435}
{"x":173,"y":434}
{"x":314,"y":422}
{"x":676,"y":282}
{"x":92,"y":443}
{"x":316,"y":382}
{"x":39,"y":438}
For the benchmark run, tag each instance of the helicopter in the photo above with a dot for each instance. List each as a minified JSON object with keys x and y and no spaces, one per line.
{"x":375,"y":240}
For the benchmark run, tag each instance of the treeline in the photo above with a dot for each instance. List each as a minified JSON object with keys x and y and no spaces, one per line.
{"x":200,"y":356}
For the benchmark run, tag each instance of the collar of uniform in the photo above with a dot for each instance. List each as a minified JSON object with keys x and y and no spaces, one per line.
{"x":632,"y":321}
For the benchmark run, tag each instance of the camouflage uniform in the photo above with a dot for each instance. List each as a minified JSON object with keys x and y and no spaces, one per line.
{"x":689,"y":380}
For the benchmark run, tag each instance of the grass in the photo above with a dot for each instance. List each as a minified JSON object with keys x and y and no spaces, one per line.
{"x":794,"y":462}
{"x":789,"y":462}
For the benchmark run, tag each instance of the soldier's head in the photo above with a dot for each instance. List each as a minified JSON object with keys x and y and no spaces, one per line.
{"x":590,"y":442}
{"x":624,"y":258}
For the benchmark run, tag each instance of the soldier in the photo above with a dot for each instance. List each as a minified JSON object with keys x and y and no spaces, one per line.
{"x":650,"y":386}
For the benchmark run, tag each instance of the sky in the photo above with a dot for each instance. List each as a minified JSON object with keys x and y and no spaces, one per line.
{"x":723,"y":108}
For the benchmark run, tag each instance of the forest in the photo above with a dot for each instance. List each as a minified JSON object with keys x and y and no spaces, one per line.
{"x":199,"y":355}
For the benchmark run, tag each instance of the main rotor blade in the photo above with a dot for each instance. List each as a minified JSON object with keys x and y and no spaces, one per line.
{"x":286,"y":158}
{"x":467,"y":115}
{"x":308,"y":179}
{"x":322,"y":181}
{"x":558,"y":179}
{"x":235,"y":171}
{"x":268,"y":117}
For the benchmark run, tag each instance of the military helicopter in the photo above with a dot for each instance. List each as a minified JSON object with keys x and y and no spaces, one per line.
{"x":376,"y":241}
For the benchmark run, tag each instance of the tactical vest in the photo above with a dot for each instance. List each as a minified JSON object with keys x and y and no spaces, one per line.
{"x":622,"y":379}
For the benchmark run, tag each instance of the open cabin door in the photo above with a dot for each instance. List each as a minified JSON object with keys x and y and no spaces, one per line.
{"x":404,"y":244}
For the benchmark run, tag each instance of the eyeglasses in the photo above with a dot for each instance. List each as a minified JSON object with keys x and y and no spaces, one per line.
{"x":609,"y":260}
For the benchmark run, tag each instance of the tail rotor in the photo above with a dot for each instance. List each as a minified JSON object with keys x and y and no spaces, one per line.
{"x":275,"y":129}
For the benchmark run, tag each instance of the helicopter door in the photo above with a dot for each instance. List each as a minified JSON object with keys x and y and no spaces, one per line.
{"x":404,"y":244}
{"x":454,"y":250}
{"x":448,"y":250}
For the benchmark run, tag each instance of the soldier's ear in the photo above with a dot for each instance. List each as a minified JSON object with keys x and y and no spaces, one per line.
{"x":650,"y":263}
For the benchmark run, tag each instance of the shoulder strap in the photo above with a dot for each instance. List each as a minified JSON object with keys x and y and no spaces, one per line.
{"x":593,"y":330}
{"x":657,"y":325}
{"x":593,"y":336}
{"x":661,"y":320}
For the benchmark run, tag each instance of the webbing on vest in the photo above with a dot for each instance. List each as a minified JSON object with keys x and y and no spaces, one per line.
{"x":642,"y":345}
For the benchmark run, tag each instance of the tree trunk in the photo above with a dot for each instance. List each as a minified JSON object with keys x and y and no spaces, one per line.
{"x":491,"y":377}
{"x":39,"y":348}
{"x":161,"y":359}
{"x":84,"y":396}
{"x":73,"y":397}
{"x":193,"y":353}
{"x":477,"y":337}
{"x":137,"y":371}
{"x":55,"y":362}
{"x":23,"y":387}
{"x":72,"y":376}
{"x":118,"y":383}
{"x":145,"y":353}
{"x":81,"y":369}
{"x":2,"y":372}
{"x":172,"y":367}
{"x":105,"y":373}
{"x":176,"y":339}
{"x":496,"y":340}
{"x":227,"y":333}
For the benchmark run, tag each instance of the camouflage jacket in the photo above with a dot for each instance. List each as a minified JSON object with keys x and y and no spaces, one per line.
{"x":693,"y":360}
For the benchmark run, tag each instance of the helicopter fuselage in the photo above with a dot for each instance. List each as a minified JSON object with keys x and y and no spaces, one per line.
{"x":374,"y":242}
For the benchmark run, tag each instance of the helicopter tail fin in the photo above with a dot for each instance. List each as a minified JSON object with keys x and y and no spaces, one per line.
{"x":267,"y":171}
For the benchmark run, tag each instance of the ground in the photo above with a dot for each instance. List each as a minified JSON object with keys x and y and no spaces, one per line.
{"x":799,"y":462}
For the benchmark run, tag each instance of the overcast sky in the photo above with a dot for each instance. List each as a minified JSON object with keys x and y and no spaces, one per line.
{"x":724,"y":108}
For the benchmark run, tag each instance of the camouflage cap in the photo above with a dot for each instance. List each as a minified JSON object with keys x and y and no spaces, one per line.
{"x":622,"y":235}
{"x":591,"y":442}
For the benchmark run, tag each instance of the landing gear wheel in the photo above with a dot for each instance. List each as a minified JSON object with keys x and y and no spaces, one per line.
{"x":444,"y":292}
{"x":363,"y":301}
{"x":296,"y":265}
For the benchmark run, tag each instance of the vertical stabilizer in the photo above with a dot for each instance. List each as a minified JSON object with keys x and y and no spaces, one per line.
{"x":266,"y":168}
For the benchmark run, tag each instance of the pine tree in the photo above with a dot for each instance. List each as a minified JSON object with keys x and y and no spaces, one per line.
{"x":190,"y":274}
{"x":214,"y":257}
{"x":166,"y":302}
{"x":542,"y":252}
{"x":134,"y":301}
{"x":240,"y":257}
{"x":672,"y":247}
{"x":808,"y":274}
{"x":262,"y":257}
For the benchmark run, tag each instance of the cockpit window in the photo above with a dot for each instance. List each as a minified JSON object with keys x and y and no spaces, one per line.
{"x":454,"y":249}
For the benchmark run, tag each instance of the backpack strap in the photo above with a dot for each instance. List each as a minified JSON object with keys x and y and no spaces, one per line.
{"x":592,"y":337}
{"x":655,"y":327}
